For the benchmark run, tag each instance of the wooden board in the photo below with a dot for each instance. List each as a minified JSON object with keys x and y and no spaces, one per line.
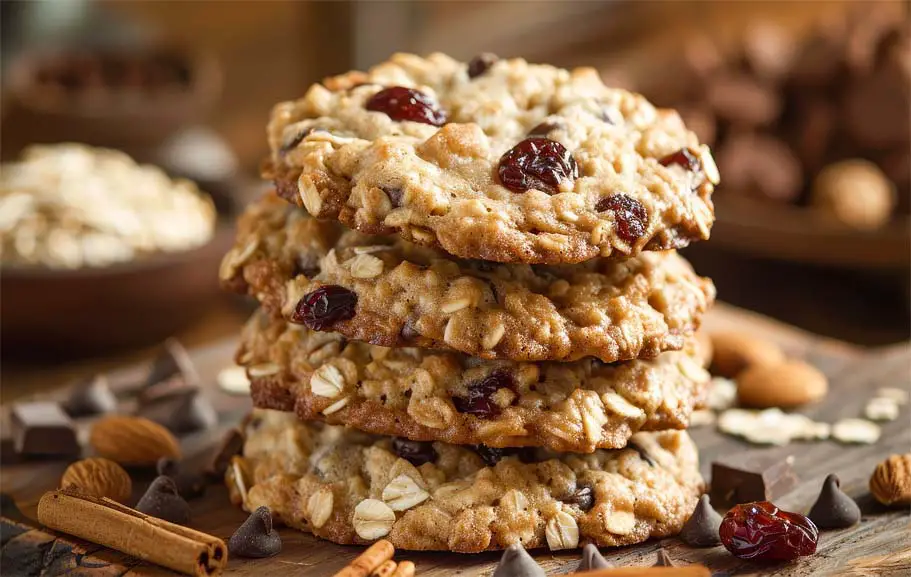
{"x":878,"y":546}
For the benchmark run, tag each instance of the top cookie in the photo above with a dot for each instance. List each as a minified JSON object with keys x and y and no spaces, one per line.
{"x":499,"y":160}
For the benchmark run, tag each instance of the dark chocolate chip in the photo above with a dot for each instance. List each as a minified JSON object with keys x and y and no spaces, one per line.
{"x":92,"y":397}
{"x":584,"y":498}
{"x":663,"y":560}
{"x":833,"y":508}
{"x":162,"y":500}
{"x":760,"y":165}
{"x":481,"y":63}
{"x":194,"y":412}
{"x":43,"y":429}
{"x":749,"y":477}
{"x":415,"y":452}
{"x":743,"y":100}
{"x":516,"y":562}
{"x":395,"y":195}
{"x":701,"y":530}
{"x":256,"y":538}
{"x":643,"y":454}
{"x":592,"y":559}
{"x":231,"y":444}
{"x":172,"y":363}
{"x":189,"y":485}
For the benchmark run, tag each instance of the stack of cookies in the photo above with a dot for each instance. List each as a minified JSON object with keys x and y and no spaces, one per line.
{"x":474,"y":329}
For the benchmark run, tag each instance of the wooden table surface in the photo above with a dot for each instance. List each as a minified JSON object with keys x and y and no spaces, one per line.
{"x":877,"y":546}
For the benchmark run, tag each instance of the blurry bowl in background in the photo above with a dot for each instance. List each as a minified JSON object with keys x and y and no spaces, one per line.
{"x":129,"y":99}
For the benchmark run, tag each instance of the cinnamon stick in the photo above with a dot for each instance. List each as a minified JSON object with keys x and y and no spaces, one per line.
{"x":405,"y":569}
{"x":108,"y":523}
{"x":685,"y":571}
{"x":385,"y":569}
{"x":373,"y":557}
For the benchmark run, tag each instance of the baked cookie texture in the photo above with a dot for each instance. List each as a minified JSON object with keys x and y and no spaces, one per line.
{"x":390,"y":292}
{"x":427,"y":165}
{"x":426,"y":395}
{"x":349,"y":487}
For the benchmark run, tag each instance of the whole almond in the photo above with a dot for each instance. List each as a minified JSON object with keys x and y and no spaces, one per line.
{"x":98,"y":477}
{"x":133,"y":440}
{"x":787,"y":384}
{"x":732,"y":352}
{"x":891,"y":481}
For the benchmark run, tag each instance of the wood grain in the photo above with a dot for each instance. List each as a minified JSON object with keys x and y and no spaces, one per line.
{"x":878,"y":546}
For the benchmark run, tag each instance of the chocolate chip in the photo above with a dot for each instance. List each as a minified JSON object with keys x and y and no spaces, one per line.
{"x":833,"y":508}
{"x":584,"y":498}
{"x":760,"y":165}
{"x":491,"y":455}
{"x":232,"y":443}
{"x":743,"y":101}
{"x":162,"y":500}
{"x":415,"y":452}
{"x":877,"y":111}
{"x":395,"y":195}
{"x":592,"y":559}
{"x":256,"y":538}
{"x":701,"y":529}
{"x":481,"y":63}
{"x":171,"y":373}
{"x":189,"y":485}
{"x":516,"y":562}
{"x":194,"y":412}
{"x":91,"y":397}
{"x":663,"y":560}
{"x":43,"y":429}
{"x":643,"y":454}
{"x":748,"y":477}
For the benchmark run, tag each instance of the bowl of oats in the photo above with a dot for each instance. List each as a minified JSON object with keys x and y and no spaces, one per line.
{"x":98,"y":252}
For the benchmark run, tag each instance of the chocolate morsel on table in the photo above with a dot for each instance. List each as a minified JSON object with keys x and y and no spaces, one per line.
{"x":91,"y":397}
{"x":171,"y":373}
{"x":184,"y":411}
{"x":748,"y":477}
{"x":701,"y":529}
{"x":43,"y":429}
{"x":516,"y":562}
{"x":189,"y":485}
{"x":834,"y":509}
{"x":592,"y":559}
{"x":231,"y":444}
{"x":162,"y":500}
{"x":256,"y":538}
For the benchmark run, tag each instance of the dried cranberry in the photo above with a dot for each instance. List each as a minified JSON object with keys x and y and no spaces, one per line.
{"x":481,"y":63}
{"x":415,"y":452}
{"x":480,"y":395}
{"x":760,"y":531}
{"x":685,"y":158}
{"x":631,"y":216}
{"x":492,"y":455}
{"x":584,"y":498}
{"x":324,"y":307}
{"x":400,"y":103}
{"x":538,"y":163}
{"x":543,"y":129}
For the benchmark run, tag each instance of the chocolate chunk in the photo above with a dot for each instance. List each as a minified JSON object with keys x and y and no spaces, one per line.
{"x":760,"y":165}
{"x":747,"y":478}
{"x":231,"y":444}
{"x":516,"y":562}
{"x":592,"y":559}
{"x":833,"y":508}
{"x":643,"y":454}
{"x":256,"y":538}
{"x":182,"y":412}
{"x":663,"y":560}
{"x":162,"y":500}
{"x":171,"y":373}
{"x":189,"y":485}
{"x":584,"y":498}
{"x":91,"y":397}
{"x":43,"y":429}
{"x":701,"y":529}
{"x":743,"y":101}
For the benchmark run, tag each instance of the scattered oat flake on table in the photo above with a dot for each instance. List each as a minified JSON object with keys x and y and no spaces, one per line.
{"x":856,"y":431}
{"x":771,"y":426}
{"x":900,"y":396}
{"x":722,"y":393}
{"x":234,"y":380}
{"x":702,"y":418}
{"x":881,"y":409}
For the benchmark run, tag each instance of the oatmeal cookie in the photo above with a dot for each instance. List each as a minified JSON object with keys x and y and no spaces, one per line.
{"x":499,"y":160}
{"x":389,"y":292}
{"x":443,"y":396}
{"x":350,"y":487}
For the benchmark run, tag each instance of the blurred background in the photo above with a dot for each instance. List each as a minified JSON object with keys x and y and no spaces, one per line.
{"x":806,"y":105}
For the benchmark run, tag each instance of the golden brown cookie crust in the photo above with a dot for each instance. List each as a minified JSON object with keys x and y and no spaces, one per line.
{"x":349,"y":487}
{"x":408,"y":295}
{"x":439,"y":185}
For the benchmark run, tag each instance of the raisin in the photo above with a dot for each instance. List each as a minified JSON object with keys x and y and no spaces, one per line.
{"x":400,"y":103}
{"x":481,"y":63}
{"x":538,"y":163}
{"x":584,"y":498}
{"x":415,"y":452}
{"x":324,"y":307}
{"x":480,"y":395}
{"x":492,"y":455}
{"x":543,"y":129}
{"x":630,"y":215}
{"x":685,"y":158}
{"x":760,"y":531}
